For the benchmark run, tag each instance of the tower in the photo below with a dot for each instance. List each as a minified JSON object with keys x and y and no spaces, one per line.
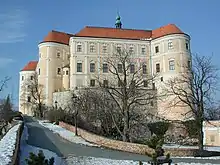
{"x":118,"y":23}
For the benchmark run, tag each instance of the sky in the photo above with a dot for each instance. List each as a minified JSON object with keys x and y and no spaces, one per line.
{"x":24,"y":23}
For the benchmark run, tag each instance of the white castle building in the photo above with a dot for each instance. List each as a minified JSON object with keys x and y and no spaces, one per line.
{"x":67,"y":61}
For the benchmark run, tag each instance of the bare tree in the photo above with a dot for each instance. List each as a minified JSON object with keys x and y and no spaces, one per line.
{"x":128,"y":88}
{"x":33,"y":94}
{"x":3,"y":83}
{"x":195,"y":89}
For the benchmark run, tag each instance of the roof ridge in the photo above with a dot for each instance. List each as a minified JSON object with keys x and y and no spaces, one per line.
{"x":116,"y":28}
{"x":61,"y":32}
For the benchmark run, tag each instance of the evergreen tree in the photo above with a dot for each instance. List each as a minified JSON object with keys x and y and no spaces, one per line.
{"x":6,"y":110}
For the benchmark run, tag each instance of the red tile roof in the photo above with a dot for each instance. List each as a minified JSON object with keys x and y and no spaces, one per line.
{"x":104,"y":32}
{"x":31,"y":66}
{"x":58,"y":37}
{"x":166,"y":30}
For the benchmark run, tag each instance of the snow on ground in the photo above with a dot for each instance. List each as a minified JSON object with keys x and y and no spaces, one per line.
{"x":100,"y":161}
{"x":26,"y":149}
{"x":7,"y":145}
{"x":70,"y":136}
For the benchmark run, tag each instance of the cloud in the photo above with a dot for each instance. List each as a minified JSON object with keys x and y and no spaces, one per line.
{"x":4,"y":62}
{"x":12,"y":25}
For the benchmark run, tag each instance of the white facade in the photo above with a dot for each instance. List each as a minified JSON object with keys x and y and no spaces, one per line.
{"x":165,"y":56}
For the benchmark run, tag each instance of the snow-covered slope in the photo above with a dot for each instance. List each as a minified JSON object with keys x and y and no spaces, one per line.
{"x":7,"y":145}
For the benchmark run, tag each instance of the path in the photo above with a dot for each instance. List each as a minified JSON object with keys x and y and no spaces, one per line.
{"x":42,"y":137}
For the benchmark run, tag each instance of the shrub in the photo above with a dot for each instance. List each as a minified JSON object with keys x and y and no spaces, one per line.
{"x":158,"y":128}
{"x":192,"y":128}
{"x":155,"y":142}
{"x":39,"y":159}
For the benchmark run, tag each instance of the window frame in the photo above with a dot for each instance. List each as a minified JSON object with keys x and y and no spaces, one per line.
{"x":79,"y":67}
{"x":105,"y":68}
{"x":158,"y":71}
{"x":92,"y":82}
{"x":171,"y":67}
{"x":92,"y":48}
{"x":157,"y":50}
{"x":132,"y":68}
{"x":59,"y":71}
{"x":79,"y":48}
{"x":143,"y":52}
{"x":170,"y":44}
{"x":91,"y":69}
{"x":144,"y":68}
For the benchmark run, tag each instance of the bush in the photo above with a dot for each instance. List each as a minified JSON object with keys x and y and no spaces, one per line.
{"x":56,"y":115}
{"x":158,"y":128}
{"x":39,"y":159}
{"x":155,"y":142}
{"x":192,"y":128}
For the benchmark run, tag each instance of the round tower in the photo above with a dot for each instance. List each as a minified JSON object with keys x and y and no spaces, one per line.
{"x":26,"y":75}
{"x":53,"y":55}
{"x":170,"y":57}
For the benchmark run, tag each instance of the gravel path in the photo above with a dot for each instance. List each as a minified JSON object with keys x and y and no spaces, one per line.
{"x":42,"y":137}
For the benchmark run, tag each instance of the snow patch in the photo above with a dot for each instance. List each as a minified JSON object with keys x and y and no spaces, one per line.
{"x":73,"y":160}
{"x":7,"y":145}
{"x":70,"y":136}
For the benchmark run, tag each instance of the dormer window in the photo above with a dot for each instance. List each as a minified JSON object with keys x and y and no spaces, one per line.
{"x":79,"y":48}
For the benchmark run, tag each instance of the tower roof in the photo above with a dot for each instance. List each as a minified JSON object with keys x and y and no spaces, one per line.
{"x":31,"y":66}
{"x":104,"y":32}
{"x":58,"y":37}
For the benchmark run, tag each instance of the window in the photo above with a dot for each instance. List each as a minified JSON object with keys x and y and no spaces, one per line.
{"x":39,"y":71}
{"x":119,"y":68}
{"x":189,"y":64}
{"x":29,"y":99}
{"x":104,"y":49}
{"x":153,"y":86}
{"x":131,"y":50}
{"x":145,"y":83}
{"x":92,"y":48}
{"x":92,"y":83}
{"x":32,"y":77}
{"x":105,"y":83}
{"x":144,"y":67}
{"x":187,"y":46}
{"x":59,"y":71}
{"x":161,"y":79}
{"x":79,"y":67}
{"x":58,"y":54}
{"x":171,"y":65}
{"x":68,"y":56}
{"x":143,"y":51}
{"x":152,"y":103}
{"x":67,"y":72}
{"x":92,"y":67}
{"x":79,"y":48}
{"x":212,"y":138}
{"x":105,"y":68}
{"x":22,"y":78}
{"x":170,"y":44}
{"x":157,"y":68}
{"x":132,"y":68}
{"x":157,"y":49}
{"x":118,"y":49}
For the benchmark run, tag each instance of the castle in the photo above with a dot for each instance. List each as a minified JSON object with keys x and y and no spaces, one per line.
{"x":67,"y":61}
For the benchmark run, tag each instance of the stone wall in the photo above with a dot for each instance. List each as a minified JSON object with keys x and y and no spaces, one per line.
{"x":124,"y":146}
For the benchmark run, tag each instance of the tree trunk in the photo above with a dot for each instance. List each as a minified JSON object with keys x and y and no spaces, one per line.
{"x":126,"y":126}
{"x":201,"y":145}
